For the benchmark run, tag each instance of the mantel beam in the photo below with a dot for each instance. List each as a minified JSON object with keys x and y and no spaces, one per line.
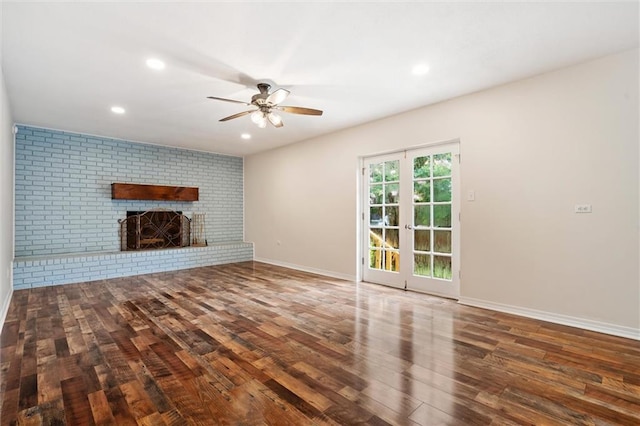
{"x":134,"y":191}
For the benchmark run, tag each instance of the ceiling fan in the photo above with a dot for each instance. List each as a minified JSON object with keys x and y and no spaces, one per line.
{"x":267,"y":104}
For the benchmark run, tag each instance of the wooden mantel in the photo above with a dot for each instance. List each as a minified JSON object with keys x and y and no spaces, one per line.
{"x":134,"y":191}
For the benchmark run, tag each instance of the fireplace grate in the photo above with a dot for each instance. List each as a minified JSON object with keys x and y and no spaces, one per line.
{"x":154,"y":229}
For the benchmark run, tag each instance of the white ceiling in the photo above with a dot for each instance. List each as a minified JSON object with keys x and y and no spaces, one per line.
{"x":66,"y":64}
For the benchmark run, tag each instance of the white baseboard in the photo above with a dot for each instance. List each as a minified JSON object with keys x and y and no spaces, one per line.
{"x":331,"y":274}
{"x":601,"y":327}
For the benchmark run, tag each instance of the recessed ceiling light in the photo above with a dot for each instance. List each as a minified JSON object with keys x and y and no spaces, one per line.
{"x":117,"y":110}
{"x":420,"y":69}
{"x":245,"y":136}
{"x":155,"y":64}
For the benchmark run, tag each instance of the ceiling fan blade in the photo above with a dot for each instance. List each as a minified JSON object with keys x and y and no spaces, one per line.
{"x":240,"y":114}
{"x":299,"y":110}
{"x":278,"y":96}
{"x":227,"y":100}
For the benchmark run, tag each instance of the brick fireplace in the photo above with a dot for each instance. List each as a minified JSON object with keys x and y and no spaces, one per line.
{"x":66,"y":217}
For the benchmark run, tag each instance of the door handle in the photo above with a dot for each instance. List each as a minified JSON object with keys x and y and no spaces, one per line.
{"x":408,"y":227}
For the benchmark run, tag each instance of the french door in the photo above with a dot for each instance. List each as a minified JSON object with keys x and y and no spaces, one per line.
{"x":411,"y":220}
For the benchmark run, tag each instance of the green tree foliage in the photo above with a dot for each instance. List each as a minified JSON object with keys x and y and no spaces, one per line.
{"x":432,"y":173}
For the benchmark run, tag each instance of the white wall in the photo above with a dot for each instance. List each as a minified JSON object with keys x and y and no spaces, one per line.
{"x":6,"y":198}
{"x":530,"y":150}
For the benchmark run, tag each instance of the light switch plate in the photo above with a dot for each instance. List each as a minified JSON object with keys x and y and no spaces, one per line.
{"x":471,"y":195}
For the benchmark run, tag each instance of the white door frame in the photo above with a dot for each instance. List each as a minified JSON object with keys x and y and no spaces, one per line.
{"x":362,"y":216}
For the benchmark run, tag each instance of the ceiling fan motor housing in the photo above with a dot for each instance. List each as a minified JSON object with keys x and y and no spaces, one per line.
{"x":260,"y":98}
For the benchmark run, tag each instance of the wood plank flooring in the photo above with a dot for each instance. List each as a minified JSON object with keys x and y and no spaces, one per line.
{"x":254,"y":344}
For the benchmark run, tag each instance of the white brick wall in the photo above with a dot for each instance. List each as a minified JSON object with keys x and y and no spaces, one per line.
{"x":29,"y":272}
{"x":66,"y":223}
{"x":63,"y":189}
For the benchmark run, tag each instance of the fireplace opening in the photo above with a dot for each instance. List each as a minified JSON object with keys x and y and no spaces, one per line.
{"x":154,"y":229}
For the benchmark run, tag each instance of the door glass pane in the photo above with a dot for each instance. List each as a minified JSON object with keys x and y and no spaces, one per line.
{"x":422,"y":191}
{"x":422,"y":215}
{"x":375,"y":259}
{"x":442,"y":190}
{"x":422,"y":240}
{"x":392,"y":192}
{"x":422,"y":265}
{"x":391,"y":217}
{"x":442,"y":216}
{"x":375,"y":216}
{"x":422,"y":167}
{"x":442,"y":164}
{"x":392,"y":171}
{"x":442,"y":267}
{"x":392,"y":261}
{"x":442,"y":241}
{"x":375,"y":173}
{"x":375,"y":194}
{"x":391,"y":238}
{"x":375,"y":237}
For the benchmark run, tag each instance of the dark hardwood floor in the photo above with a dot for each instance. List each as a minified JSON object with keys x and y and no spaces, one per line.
{"x":254,"y":344}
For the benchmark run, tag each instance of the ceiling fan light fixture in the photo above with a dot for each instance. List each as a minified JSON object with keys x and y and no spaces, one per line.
{"x":274,"y":119}
{"x":258,"y":117}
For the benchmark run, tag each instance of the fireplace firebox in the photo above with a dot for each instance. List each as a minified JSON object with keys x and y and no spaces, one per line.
{"x":154,"y":229}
